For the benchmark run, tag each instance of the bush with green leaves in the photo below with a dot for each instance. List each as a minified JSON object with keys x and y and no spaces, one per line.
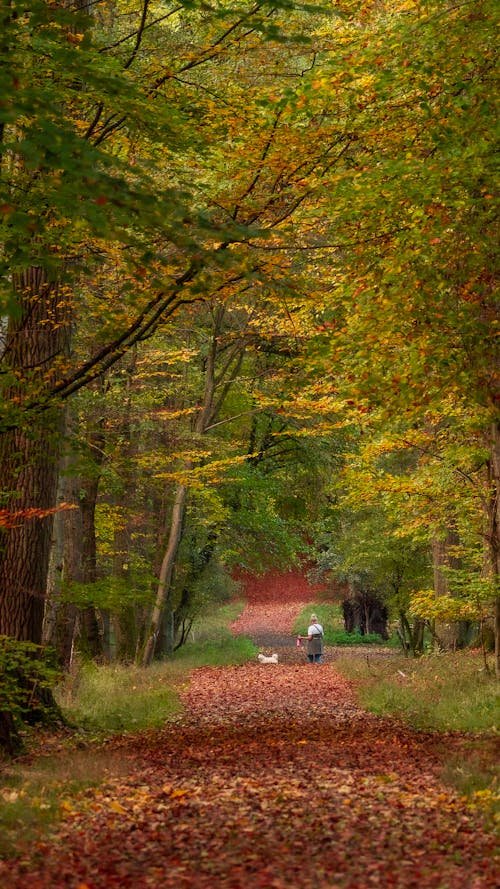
{"x":342,"y":637}
{"x":28,"y":676}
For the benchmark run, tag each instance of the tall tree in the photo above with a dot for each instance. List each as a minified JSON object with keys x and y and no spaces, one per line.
{"x":79,"y":152}
{"x":415,"y":312}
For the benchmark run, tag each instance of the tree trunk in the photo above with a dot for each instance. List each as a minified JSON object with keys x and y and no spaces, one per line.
{"x":90,"y":628}
{"x":166,"y":571}
{"x":448,"y":632}
{"x":36,"y":344}
{"x":65,"y":565}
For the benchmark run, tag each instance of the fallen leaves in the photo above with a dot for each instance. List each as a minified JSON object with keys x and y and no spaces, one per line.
{"x":273,"y":602}
{"x":273,"y":778}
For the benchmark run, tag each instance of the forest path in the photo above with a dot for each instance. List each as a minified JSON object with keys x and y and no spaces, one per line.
{"x":272,"y":778}
{"x":273,"y":602}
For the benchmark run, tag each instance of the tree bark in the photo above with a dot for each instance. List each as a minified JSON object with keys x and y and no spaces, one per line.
{"x":36,"y":343}
{"x":166,"y":571}
{"x":447,"y":631}
{"x":65,"y":564}
{"x":90,"y":628}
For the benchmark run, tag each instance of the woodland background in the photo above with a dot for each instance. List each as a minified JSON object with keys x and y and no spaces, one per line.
{"x":249,"y":318}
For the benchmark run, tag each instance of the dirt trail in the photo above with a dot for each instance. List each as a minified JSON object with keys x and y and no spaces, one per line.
{"x":274,"y":778}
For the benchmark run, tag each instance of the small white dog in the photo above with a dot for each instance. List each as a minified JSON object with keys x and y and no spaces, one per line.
{"x":273,"y":659}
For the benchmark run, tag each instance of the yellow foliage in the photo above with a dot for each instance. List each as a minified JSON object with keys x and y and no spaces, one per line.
{"x":427,"y":605}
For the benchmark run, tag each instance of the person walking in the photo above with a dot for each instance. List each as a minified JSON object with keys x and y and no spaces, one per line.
{"x":314,"y":640}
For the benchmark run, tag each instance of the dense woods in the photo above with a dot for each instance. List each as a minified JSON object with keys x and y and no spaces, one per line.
{"x":249,"y":315}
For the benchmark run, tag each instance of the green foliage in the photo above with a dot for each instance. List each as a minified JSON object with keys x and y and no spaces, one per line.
{"x":118,"y":698}
{"x":28,"y":676}
{"x":427,"y":605}
{"x":411,"y":327}
{"x":333,"y":204}
{"x":364,"y":546}
{"x":257,"y":534}
{"x":443,"y":692}
{"x":113,"y":593}
{"x":340,"y":637}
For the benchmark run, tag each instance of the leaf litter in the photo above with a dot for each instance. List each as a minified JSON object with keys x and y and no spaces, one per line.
{"x":272,"y":778}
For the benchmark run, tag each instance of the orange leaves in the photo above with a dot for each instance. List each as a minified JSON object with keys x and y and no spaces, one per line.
{"x":273,"y":778}
{"x":176,"y":792}
{"x":12,"y":519}
{"x":273,"y":602}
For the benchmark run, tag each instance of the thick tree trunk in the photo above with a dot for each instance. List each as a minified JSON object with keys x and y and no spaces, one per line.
{"x":65,"y":563}
{"x":36,"y":342}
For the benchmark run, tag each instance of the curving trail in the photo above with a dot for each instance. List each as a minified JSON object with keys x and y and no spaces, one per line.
{"x":274,"y":778}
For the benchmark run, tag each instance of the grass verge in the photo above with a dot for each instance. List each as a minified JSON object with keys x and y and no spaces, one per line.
{"x":99,"y":701}
{"x":445,"y":692}
{"x":117,"y":698}
{"x":331,"y":618}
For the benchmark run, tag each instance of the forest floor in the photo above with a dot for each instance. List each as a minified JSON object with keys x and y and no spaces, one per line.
{"x":273,"y":777}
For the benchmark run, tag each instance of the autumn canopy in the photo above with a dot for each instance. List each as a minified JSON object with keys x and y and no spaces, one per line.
{"x":249,"y":314}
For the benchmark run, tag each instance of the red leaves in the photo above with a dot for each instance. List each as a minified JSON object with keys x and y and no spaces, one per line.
{"x":10,"y":519}
{"x":273,"y":778}
{"x":273,"y":602}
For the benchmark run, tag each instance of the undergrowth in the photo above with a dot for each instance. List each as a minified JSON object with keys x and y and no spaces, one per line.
{"x":445,"y":692}
{"x":99,"y":701}
{"x":113,"y":698}
{"x":331,"y":618}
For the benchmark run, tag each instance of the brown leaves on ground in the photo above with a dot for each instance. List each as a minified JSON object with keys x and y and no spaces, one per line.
{"x":274,"y":779}
{"x":273,"y":602}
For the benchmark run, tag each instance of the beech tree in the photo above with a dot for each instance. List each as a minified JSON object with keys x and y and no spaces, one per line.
{"x":414,"y":313}
{"x":79,"y":169}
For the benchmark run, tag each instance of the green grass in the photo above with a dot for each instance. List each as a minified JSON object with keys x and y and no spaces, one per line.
{"x":440,"y":692}
{"x":332,"y":620}
{"x":114,"y":698}
{"x":100,"y":701}
{"x":34,"y":795}
{"x":216,"y":653}
{"x":444,"y":692}
{"x":117,"y":698}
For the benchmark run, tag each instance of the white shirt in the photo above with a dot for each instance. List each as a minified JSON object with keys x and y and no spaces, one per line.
{"x":315,"y":630}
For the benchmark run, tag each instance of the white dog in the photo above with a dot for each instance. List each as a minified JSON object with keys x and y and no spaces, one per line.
{"x":268,"y":660}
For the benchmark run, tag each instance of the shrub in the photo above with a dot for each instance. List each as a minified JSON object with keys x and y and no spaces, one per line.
{"x":341,"y":637}
{"x":28,"y":676}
